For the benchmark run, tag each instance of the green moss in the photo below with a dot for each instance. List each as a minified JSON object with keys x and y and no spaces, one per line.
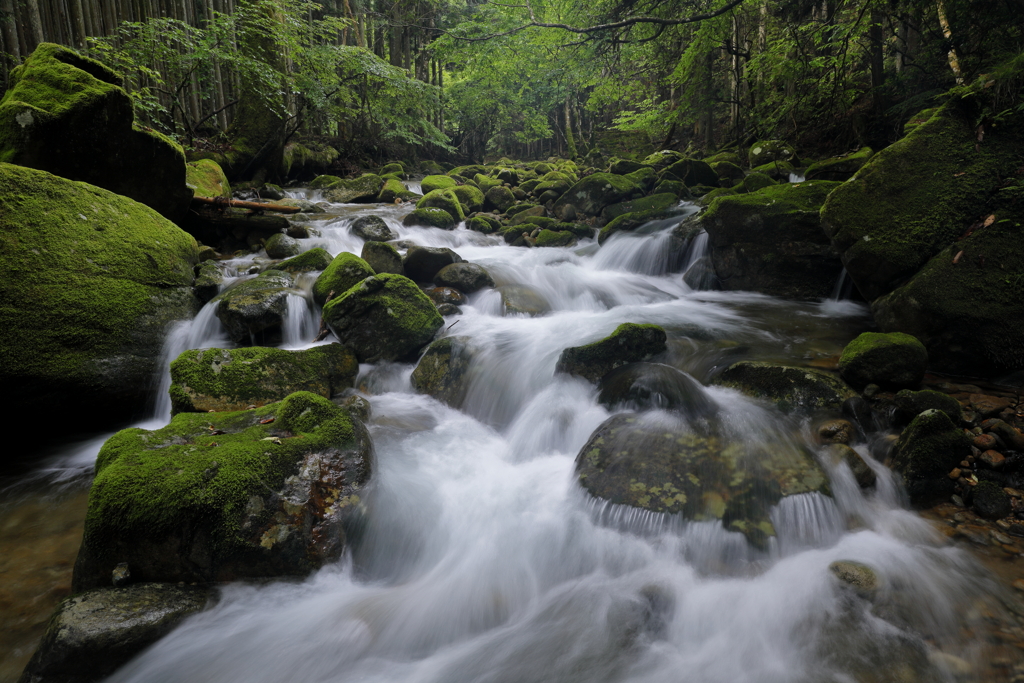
{"x":791,"y":389}
{"x":596,"y":191}
{"x":323,"y":182}
{"x":437,"y":182}
{"x":728,"y":157}
{"x":483,"y":224}
{"x":392,"y":190}
{"x":363,"y":189}
{"x":691,"y":172}
{"x":207,"y":179}
{"x":445,"y":200}
{"x":393,"y":167}
{"x":654,"y":202}
{"x":925,"y":453}
{"x":552,"y":238}
{"x":628,"y":222}
{"x":629,"y":343}
{"x":343,"y":273}
{"x":891,"y":360}
{"x":470,"y":171}
{"x":431,"y":217}
{"x":756,"y":181}
{"x":306,"y":262}
{"x":839,"y":168}
{"x":470,"y":197}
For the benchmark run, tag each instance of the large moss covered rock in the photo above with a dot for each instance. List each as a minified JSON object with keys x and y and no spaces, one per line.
{"x":207,"y":179}
{"x":765,"y":151}
{"x":791,"y":389}
{"x":771,"y":241}
{"x":691,"y":172}
{"x":90,"y":282}
{"x":253,"y":310}
{"x":839,"y":168}
{"x":659,"y":462}
{"x":926,"y":452}
{"x":629,"y":343}
{"x":430,"y":218}
{"x":204,"y":380}
{"x":470,"y":197}
{"x":591,"y":194}
{"x":344,"y":272}
{"x":437,"y":182}
{"x":359,"y":190}
{"x":69,"y":115}
{"x":445,"y":200}
{"x":226,"y":496}
{"x":891,"y":360}
{"x":385,"y":317}
{"x":443,"y":371}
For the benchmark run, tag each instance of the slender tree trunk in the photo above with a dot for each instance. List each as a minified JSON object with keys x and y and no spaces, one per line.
{"x":9,"y":29}
{"x":952,"y":56}
{"x":35,"y":23}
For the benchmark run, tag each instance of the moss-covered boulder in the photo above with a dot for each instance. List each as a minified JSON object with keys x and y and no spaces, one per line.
{"x":665,"y":157}
{"x":498,"y":198}
{"x":925,"y":453}
{"x":893,"y":360}
{"x":727,"y":171}
{"x":916,"y":197}
{"x":372,"y":228}
{"x":483,"y":224}
{"x":791,"y":389}
{"x":361,"y":190}
{"x":385,"y":317}
{"x":253,"y":311}
{"x":756,"y":181}
{"x":629,"y":343}
{"x":839,"y":168}
{"x":206,"y":179}
{"x":423,"y":263}
{"x":306,"y":160}
{"x":445,"y":200}
{"x":314,"y":260}
{"x":656,"y":202}
{"x":765,"y":151}
{"x":591,"y":194}
{"x":771,"y":241}
{"x":555,"y":181}
{"x":209,"y":279}
{"x":628,"y":222}
{"x":470,"y":197}
{"x":485,"y":182}
{"x":68,"y":115}
{"x":909,"y":404}
{"x":691,"y":172}
{"x":659,"y":462}
{"x":382,"y":258}
{"x":465,"y":277}
{"x":281,"y":246}
{"x":555,"y":238}
{"x":393,"y":167}
{"x":207,"y":380}
{"x":343,"y":273}
{"x":393,"y":189}
{"x":625,"y":166}
{"x":430,"y":218}
{"x":90,"y":282}
{"x":444,"y":370}
{"x":437,"y":182}
{"x":778,"y":171}
{"x":324,"y":182}
{"x":226,"y":496}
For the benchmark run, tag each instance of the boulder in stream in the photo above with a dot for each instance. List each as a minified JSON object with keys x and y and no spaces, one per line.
{"x":629,"y":343}
{"x":926,"y":452}
{"x":421,"y":264}
{"x":446,"y":200}
{"x":522,"y":300}
{"x":465,"y":277}
{"x":430,"y":217}
{"x":207,"y":179}
{"x":443,"y":371}
{"x":892,"y":360}
{"x":281,"y":246}
{"x":372,"y":228}
{"x":791,"y":389}
{"x":382,"y":257}
{"x":344,"y":272}
{"x":363,"y":189}
{"x":648,"y":386}
{"x":315,"y":259}
{"x":253,"y":311}
{"x":591,"y":194}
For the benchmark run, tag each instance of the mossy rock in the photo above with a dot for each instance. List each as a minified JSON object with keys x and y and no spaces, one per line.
{"x":917,"y":119}
{"x":591,"y":194}
{"x":281,"y":246}
{"x":498,"y":198}
{"x":924,"y":455}
{"x":555,"y":238}
{"x":207,"y":179}
{"x":839,"y":168}
{"x":776,"y":170}
{"x":430,"y":218}
{"x":661,"y":463}
{"x":531,"y":215}
{"x":729,"y":157}
{"x":252,"y":311}
{"x":910,"y":404}
{"x":315,"y":259}
{"x":691,"y":172}
{"x":444,"y":370}
{"x":629,"y":343}
{"x":770,"y":241}
{"x":663,"y":159}
{"x":628,"y":222}
{"x":470,"y":171}
{"x":324,"y":182}
{"x":382,"y":258}
{"x":555,"y":180}
{"x":484,"y":182}
{"x":372,"y":229}
{"x":446,"y":200}
{"x":757,"y":181}
{"x":626,"y":166}
{"x":990,"y":501}
{"x":431,"y":167}
{"x":361,"y":190}
{"x":719,"y":192}
{"x":654,"y":202}
{"x":791,"y":389}
{"x":68,"y":115}
{"x":674,"y":187}
{"x":506,"y":175}
{"x":307,"y":160}
{"x":392,"y":190}
{"x":345,"y":271}
{"x":437,"y":182}
{"x":483,"y":224}
{"x":219,"y":380}
{"x":645,"y":178}
{"x":893,"y":360}
{"x":465,"y":277}
{"x":90,"y":283}
{"x":209,"y":279}
{"x":525,"y":206}
{"x":470,"y":197}
{"x":766,"y":151}
{"x":226,"y":496}
{"x":916,"y":197}
{"x":385,"y":317}
{"x":393,"y":167}
{"x":726,"y":170}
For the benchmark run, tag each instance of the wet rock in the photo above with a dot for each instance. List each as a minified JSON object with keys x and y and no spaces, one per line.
{"x":1007,"y":434}
{"x":421,"y":264}
{"x":372,"y":228}
{"x":447,"y":310}
{"x":206,"y":380}
{"x":765,"y":151}
{"x":385,"y":317}
{"x":382,"y":257}
{"x":859,"y":410}
{"x":93,"y":634}
{"x":893,"y":360}
{"x":344,"y":272}
{"x":629,"y":343}
{"x":253,"y":310}
{"x":446,"y":200}
{"x":209,"y":278}
{"x":315,"y":259}
{"x":910,"y":404}
{"x":988,"y":406}
{"x":226,"y":496}
{"x":791,"y":389}
{"x":990,"y":500}
{"x":836,"y":431}
{"x":840,"y":452}
{"x":522,"y":300}
{"x":392,"y":191}
{"x":591,"y":194}
{"x":465,"y":277}
{"x":430,"y":217}
{"x":657,"y":462}
{"x":281,"y":246}
{"x":443,"y":371}
{"x":357,"y":190}
{"x":446,"y":295}
{"x":925,"y":453}
{"x":646,"y":386}
{"x":860,"y":577}
{"x":992,"y":459}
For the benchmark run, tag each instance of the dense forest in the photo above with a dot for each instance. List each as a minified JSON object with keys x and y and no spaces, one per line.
{"x":463,"y":80}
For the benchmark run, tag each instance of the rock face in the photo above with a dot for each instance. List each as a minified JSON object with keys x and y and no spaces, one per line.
{"x":69,"y":115}
{"x":791,"y":389}
{"x":925,"y":453}
{"x":205,"y":380}
{"x":443,"y":371}
{"x":771,"y":241}
{"x":226,"y":496}
{"x":90,"y":282}
{"x":891,"y":360}
{"x":93,"y":634}
{"x":385,"y":317}
{"x":344,"y":272}
{"x":254,"y":310}
{"x":629,"y":343}
{"x":657,"y":462}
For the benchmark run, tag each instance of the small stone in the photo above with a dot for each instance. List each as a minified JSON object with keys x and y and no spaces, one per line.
{"x":860,"y":577}
{"x":870,"y":390}
{"x":965,"y":464}
{"x":1001,"y":538}
{"x":1013,"y":493}
{"x":954,"y":474}
{"x":986,"y":406}
{"x":121,"y":575}
{"x":958,"y":501}
{"x":993,"y":459}
{"x":984,"y":442}
{"x":836,"y":431}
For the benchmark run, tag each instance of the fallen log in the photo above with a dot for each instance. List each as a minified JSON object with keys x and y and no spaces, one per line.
{"x":239,"y":204}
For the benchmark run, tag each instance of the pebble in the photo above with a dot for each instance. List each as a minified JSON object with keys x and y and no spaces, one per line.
{"x":987,"y":406}
{"x":993,"y":459}
{"x":1001,"y":538}
{"x":954,"y":474}
{"x":984,"y":442}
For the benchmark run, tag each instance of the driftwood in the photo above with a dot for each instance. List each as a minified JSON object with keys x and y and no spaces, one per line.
{"x":239,"y":204}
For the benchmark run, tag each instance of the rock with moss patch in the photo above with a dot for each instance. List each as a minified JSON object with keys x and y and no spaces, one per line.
{"x":311,"y":261}
{"x":629,"y":343}
{"x":839,"y":168}
{"x":555,"y":181}
{"x":382,"y":258}
{"x":483,"y":224}
{"x":909,"y":404}
{"x":423,"y":263}
{"x":765,"y":151}
{"x":281,"y":246}
{"x":628,"y":222}
{"x":385,"y":317}
{"x":359,"y":190}
{"x":226,"y":496}
{"x":209,"y":279}
{"x":392,"y":190}
{"x":756,"y":181}
{"x":465,"y":277}
{"x":444,"y":370}
{"x":892,"y":360}
{"x":343,"y":273}
{"x":654,"y":202}
{"x":555,"y":238}
{"x":446,"y":200}
{"x":393,"y":167}
{"x":691,"y":172}
{"x":498,"y":198}
{"x":68,"y":115}
{"x":431,"y":218}
{"x":253,"y":310}
{"x":660,"y":462}
{"x":926,"y":452}
{"x":779,"y":171}
{"x":206,"y":380}
{"x":591,"y":194}
{"x":857,"y":576}
{"x":990,"y":501}
{"x":727,"y":171}
{"x":323,"y":182}
{"x":662,"y":159}
{"x":470,"y":197}
{"x":791,"y":389}
{"x":207,"y":179}
{"x":372,"y":228}
{"x":437,"y":182}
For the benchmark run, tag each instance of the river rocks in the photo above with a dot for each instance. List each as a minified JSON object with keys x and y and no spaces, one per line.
{"x":629,"y":343}
{"x":382,"y":257}
{"x":423,"y":263}
{"x":443,"y":370}
{"x":891,"y":360}
{"x":656,"y":462}
{"x":499,"y":199}
{"x":372,"y":228}
{"x":757,"y":181}
{"x":281,"y":246}
{"x":226,"y":496}
{"x":470,"y":197}
{"x":90,"y":282}
{"x":691,"y":172}
{"x":555,"y":181}
{"x":68,"y":115}
{"x":207,"y":179}
{"x":522,"y":300}
{"x":658,"y":202}
{"x":392,"y":191}
{"x":839,"y":168}
{"x":253,"y":310}
{"x":791,"y":389}
{"x":555,"y":238}
{"x":629,"y":222}
{"x":990,"y":501}
{"x":446,"y":295}
{"x":357,"y":190}
{"x":465,"y":277}
{"x":910,"y":404}
{"x":344,"y":272}
{"x":430,"y":218}
{"x":209,"y":278}
{"x":437,"y":182}
{"x":647,"y":386}
{"x":385,"y":317}
{"x":206,"y":380}
{"x":764,"y":151}
{"x":93,"y":634}
{"x":446,"y":200}
{"x":770,"y":241}
{"x":591,"y":194}
{"x":483,"y":224}
{"x":926,"y":452}
{"x":313,"y":260}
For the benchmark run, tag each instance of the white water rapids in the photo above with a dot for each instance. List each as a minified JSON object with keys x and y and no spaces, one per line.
{"x":483,"y":561}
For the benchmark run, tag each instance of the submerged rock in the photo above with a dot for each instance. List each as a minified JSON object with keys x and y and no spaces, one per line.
{"x":629,"y":343}
{"x":522,"y":300}
{"x":646,"y":386}
{"x":791,"y":389}
{"x":890,"y":360}
{"x":226,"y":496}
{"x":443,"y":371}
{"x":253,"y":310}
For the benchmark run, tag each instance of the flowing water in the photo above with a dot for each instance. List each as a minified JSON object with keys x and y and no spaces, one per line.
{"x":484,"y":561}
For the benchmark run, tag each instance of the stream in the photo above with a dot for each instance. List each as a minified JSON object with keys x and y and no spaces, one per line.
{"x":484,"y":561}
